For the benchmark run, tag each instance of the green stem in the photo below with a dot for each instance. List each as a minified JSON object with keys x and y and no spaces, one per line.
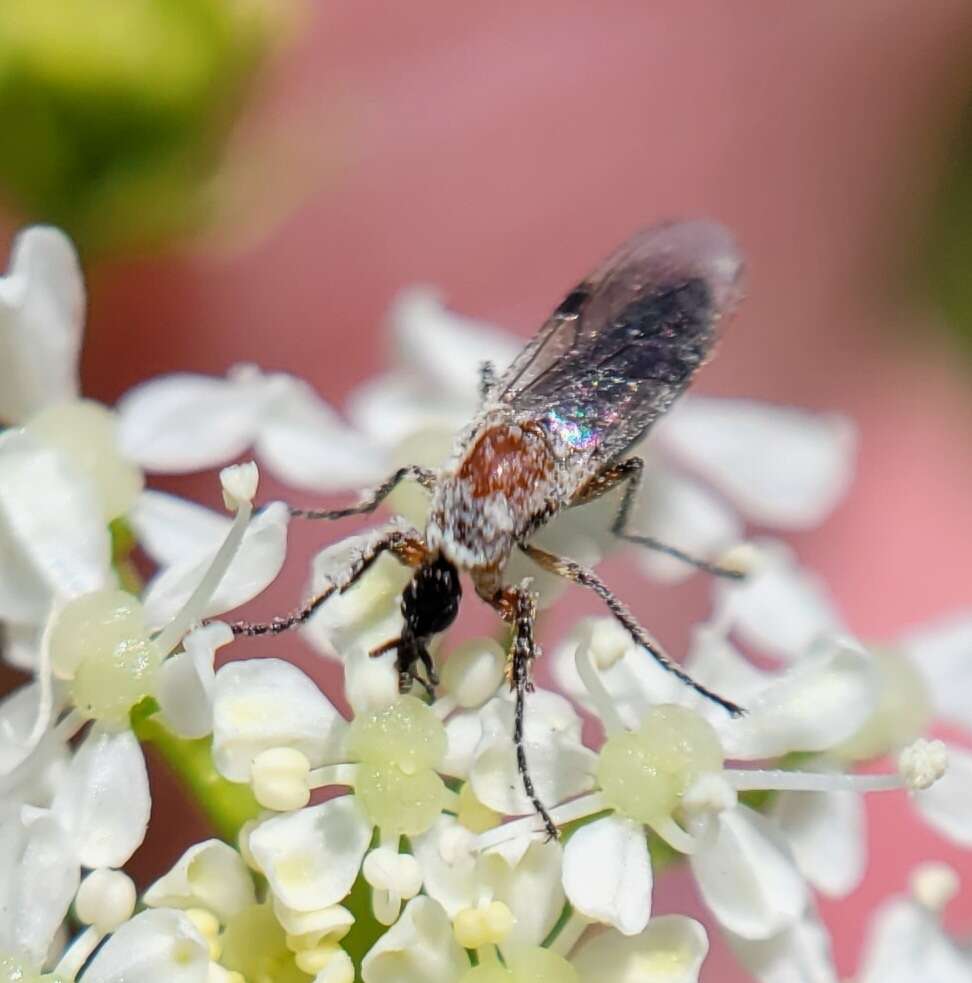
{"x":227,"y":805}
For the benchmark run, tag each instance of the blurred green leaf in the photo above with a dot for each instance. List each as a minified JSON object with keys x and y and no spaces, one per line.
{"x":948,"y":256}
{"x":114,"y":114}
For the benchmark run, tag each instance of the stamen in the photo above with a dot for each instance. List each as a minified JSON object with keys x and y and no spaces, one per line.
{"x":676,"y":837}
{"x":753,"y":779}
{"x":78,"y":953}
{"x":343,"y":774}
{"x":579,"y":808}
{"x":603,"y":704}
{"x":194,"y":608}
{"x":45,"y":679}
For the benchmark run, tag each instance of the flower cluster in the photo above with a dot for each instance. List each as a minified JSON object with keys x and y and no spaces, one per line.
{"x":398,"y":845}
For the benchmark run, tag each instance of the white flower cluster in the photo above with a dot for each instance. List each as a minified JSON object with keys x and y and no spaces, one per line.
{"x":398,"y":846}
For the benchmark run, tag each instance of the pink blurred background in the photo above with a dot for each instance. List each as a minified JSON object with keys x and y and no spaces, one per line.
{"x":498,"y":150}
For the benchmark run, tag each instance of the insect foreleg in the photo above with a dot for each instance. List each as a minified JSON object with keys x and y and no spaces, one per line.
{"x":587,"y":578}
{"x":519,"y":607}
{"x":408,"y":548}
{"x":631,"y":471}
{"x":424,"y":476}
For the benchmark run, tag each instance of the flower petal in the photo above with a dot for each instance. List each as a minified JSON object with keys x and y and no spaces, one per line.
{"x":449,"y":867}
{"x":560,"y":765}
{"x":716,"y":663}
{"x":105,"y":801}
{"x":529,"y":884}
{"x":311,"y":857}
{"x":446,"y":350}
{"x":815,"y":705}
{"x":632,"y":678}
{"x":826,"y":832}
{"x":172,"y":529}
{"x":607,"y":873}
{"x":305,"y":444}
{"x":801,"y":954}
{"x":20,"y":645}
{"x":209,"y":875}
{"x":185,"y":682}
{"x":419,"y":948}
{"x":779,"y":607}
{"x":683,"y":513}
{"x":942,"y":653}
{"x":41,"y":322}
{"x":40,"y":878}
{"x":367,"y":614}
{"x":947,"y":805}
{"x":53,"y":539}
{"x":464,"y":731}
{"x":395,"y":406}
{"x":156,"y":946}
{"x":247,"y":718}
{"x":779,"y":465}
{"x":260,"y":558}
{"x":670,"y":950}
{"x":907,"y":943}
{"x":747,"y":878}
{"x":186,"y":422}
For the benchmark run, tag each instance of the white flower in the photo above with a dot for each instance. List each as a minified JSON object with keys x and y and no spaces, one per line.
{"x":41,"y":322}
{"x":673,"y":765}
{"x":920,"y":677}
{"x":188,"y":422}
{"x":248,"y":697}
{"x":523,"y":876}
{"x":419,"y":948}
{"x":671,"y":949}
{"x":97,"y":818}
{"x":156,"y":946}
{"x":799,"y":954}
{"x":209,"y":875}
{"x":560,"y":765}
{"x":312,"y":856}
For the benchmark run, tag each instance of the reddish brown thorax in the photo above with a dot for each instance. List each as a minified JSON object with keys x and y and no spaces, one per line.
{"x":508,"y":459}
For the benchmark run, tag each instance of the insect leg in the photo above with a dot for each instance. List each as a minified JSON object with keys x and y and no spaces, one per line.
{"x":424,"y":476}
{"x":585,"y":577}
{"x":518,"y":606}
{"x":487,"y":379}
{"x":408,"y":547}
{"x":631,"y":471}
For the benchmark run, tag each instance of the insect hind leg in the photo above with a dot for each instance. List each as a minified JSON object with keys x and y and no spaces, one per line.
{"x":426,"y":477}
{"x":578,"y":574}
{"x":519,"y":607}
{"x":631,"y":471}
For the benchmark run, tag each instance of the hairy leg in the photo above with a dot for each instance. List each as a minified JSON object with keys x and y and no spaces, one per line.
{"x":406,"y":545}
{"x":631,"y":471}
{"x":424,"y":476}
{"x":518,"y":606}
{"x":585,"y":577}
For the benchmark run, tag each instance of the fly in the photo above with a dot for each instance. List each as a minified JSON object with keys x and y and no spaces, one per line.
{"x":553,"y":432}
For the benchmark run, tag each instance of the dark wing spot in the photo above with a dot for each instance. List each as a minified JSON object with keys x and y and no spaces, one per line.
{"x":572,"y":303}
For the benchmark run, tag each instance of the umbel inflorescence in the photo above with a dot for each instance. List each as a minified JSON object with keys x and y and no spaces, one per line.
{"x":398,"y":845}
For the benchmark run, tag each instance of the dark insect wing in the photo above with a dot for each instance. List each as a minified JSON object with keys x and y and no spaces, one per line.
{"x":626,"y":342}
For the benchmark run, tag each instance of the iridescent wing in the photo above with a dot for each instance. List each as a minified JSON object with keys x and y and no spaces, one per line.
{"x":626,"y":342}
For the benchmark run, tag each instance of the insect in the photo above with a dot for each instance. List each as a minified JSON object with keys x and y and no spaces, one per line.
{"x":553,"y":432}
